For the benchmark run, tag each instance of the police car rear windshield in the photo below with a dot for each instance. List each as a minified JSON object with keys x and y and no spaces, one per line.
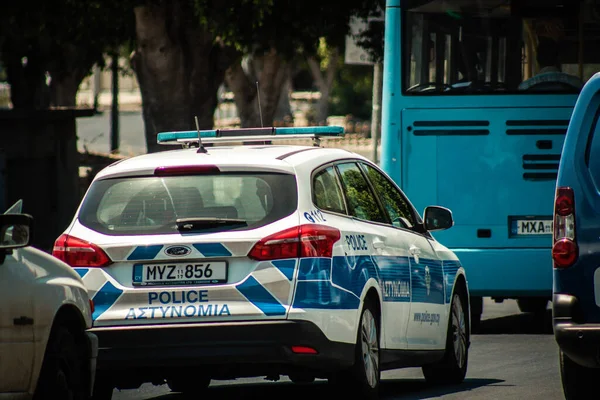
{"x":187,"y":204}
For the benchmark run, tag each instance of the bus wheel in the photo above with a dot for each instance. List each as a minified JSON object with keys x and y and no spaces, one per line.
{"x":476,"y":311}
{"x":536,"y":305}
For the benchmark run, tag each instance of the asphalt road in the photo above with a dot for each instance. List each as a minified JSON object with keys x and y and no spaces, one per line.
{"x":513,"y":357}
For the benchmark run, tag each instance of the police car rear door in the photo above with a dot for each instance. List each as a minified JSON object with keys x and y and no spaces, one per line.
{"x":381,"y":254}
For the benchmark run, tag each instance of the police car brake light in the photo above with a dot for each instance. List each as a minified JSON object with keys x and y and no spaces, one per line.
{"x":303,"y":350}
{"x":310,"y":240}
{"x":79,"y":253}
{"x":186,"y":170}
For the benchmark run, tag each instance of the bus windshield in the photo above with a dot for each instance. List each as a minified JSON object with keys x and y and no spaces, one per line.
{"x":498,"y":46}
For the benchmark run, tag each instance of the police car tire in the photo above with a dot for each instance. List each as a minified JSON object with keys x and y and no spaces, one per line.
{"x":578,"y":382}
{"x":189,"y":386}
{"x":449,"y":369}
{"x":61,"y":374}
{"x":355,"y":380}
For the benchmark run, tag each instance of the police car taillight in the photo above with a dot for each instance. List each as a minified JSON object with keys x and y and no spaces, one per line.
{"x":79,"y":253}
{"x":310,"y":240}
{"x":564,"y":250}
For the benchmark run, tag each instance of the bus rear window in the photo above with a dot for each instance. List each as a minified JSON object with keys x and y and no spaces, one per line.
{"x":466,"y":47}
{"x":153,"y":205}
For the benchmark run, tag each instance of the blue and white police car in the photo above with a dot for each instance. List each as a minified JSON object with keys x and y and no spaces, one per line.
{"x":264,"y":260}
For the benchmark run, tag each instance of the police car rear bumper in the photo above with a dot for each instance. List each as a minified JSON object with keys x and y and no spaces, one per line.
{"x":579,"y":341}
{"x":264,"y":345}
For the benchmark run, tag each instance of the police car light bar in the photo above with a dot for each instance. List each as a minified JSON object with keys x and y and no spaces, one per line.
{"x":250,"y":134}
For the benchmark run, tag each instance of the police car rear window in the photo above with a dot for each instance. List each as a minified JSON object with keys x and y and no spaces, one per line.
{"x":196,"y":203}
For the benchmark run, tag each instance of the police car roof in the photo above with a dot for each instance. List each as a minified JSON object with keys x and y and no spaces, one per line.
{"x":277,"y":158}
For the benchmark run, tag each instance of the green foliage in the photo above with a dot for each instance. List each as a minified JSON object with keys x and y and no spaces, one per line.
{"x":286,"y":25}
{"x":352,"y":91}
{"x":93,"y":26}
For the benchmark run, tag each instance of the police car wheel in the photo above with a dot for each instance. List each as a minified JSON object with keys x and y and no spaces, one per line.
{"x":452,"y":368}
{"x":189,"y":386}
{"x":577,"y":381}
{"x":61,"y":374}
{"x":365,"y":375}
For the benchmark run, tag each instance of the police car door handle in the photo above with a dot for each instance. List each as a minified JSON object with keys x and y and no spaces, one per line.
{"x":378,"y":243}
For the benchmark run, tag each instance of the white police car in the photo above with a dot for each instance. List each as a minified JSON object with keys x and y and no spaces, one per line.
{"x":264,"y":260}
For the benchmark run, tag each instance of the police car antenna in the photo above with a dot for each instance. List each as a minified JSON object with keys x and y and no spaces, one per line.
{"x":259,"y":108}
{"x":201,"y":148}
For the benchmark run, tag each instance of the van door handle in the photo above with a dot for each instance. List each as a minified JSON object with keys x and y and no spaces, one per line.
{"x":378,"y":243}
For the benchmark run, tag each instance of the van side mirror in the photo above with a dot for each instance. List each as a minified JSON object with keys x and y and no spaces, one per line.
{"x":15,"y":231}
{"x":438,"y":218}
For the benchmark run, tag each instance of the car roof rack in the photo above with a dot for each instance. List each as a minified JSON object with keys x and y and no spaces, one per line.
{"x":249,"y":135}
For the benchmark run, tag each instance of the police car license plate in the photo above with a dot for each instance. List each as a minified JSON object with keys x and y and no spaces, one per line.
{"x":188,"y":273}
{"x":526,"y":227}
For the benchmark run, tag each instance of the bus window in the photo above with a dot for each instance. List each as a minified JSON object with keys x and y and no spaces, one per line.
{"x":462,"y":46}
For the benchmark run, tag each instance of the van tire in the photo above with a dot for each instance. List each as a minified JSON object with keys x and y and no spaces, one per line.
{"x":577,"y":381}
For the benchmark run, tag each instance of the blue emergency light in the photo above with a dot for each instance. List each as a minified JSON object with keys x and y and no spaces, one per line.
{"x":249,"y":134}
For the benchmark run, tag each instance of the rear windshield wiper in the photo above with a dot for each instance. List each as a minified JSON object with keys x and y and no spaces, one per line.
{"x":187,"y":224}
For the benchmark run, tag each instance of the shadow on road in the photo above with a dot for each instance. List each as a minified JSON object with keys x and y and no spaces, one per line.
{"x":413,"y":389}
{"x":404,"y":389}
{"x":518,"y":324}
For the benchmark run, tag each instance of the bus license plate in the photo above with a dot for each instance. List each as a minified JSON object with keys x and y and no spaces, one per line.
{"x":188,"y":273}
{"x":526,"y":227}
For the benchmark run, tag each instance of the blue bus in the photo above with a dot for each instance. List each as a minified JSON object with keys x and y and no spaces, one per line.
{"x":477,"y":96}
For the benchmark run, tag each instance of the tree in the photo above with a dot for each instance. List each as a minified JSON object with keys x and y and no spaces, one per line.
{"x":48,"y":48}
{"x":290,"y":28}
{"x":323,"y":68}
{"x":183,"y":48}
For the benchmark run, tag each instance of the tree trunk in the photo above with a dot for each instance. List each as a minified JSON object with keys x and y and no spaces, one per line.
{"x":324,"y":81}
{"x":66,"y":74}
{"x":284,"y":107}
{"x":27,"y":78}
{"x":179,"y":68}
{"x":272,"y":72}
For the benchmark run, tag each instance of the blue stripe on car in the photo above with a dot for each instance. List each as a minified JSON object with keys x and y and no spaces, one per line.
{"x":145,"y":252}
{"x":105,"y":298}
{"x":286,"y":267}
{"x":81,"y":271}
{"x":260,"y":297}
{"x":212,"y":249}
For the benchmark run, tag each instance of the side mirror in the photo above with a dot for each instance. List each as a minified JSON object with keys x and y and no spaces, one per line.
{"x":15,"y":231}
{"x":438,"y":218}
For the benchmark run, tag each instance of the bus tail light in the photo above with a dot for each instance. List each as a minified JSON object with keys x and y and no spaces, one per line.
{"x":564,"y":250}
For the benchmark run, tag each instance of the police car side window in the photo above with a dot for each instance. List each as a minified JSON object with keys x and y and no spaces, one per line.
{"x":360,"y":199}
{"x":327,"y":193}
{"x":392,"y":200}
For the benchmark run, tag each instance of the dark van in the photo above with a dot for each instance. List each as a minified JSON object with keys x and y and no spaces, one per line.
{"x":576,"y":248}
